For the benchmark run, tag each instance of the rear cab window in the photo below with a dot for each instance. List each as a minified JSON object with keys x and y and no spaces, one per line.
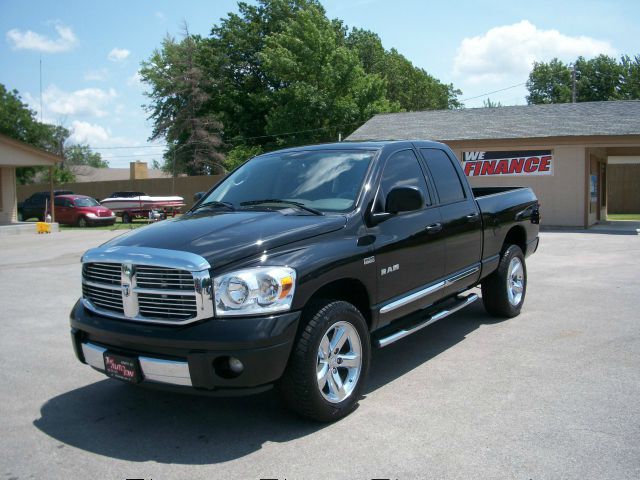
{"x":444,"y":174}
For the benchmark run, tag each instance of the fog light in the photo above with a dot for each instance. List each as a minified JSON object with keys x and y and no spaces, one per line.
{"x":235,"y":365}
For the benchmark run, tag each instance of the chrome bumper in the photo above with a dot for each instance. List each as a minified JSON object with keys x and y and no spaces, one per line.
{"x":153,"y":369}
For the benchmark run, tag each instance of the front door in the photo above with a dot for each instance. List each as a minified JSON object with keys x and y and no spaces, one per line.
{"x":409,"y":247}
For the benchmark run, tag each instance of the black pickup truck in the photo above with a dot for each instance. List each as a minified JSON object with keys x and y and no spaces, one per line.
{"x":294,"y":266}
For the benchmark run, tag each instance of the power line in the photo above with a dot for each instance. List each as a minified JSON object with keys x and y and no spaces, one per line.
{"x":495,"y":91}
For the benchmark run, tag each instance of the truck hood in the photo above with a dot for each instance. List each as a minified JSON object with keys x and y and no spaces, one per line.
{"x":225,"y":237}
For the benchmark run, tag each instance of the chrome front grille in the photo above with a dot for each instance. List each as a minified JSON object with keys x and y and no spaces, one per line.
{"x":108,"y":273}
{"x":167,"y":306}
{"x":103,"y":297}
{"x":122,"y":282}
{"x":163,"y":278}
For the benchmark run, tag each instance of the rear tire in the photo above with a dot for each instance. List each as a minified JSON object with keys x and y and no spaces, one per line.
{"x":126,"y":218}
{"x":504,"y":290}
{"x":329,"y":363}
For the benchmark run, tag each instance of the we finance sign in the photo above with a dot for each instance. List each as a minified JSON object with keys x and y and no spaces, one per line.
{"x":517,"y":163}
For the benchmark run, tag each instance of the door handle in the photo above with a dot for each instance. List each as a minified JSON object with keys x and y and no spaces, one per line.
{"x":472,"y":217}
{"x":434,"y":228}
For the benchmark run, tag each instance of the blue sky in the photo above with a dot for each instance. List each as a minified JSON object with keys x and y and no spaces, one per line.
{"x":91,"y":51}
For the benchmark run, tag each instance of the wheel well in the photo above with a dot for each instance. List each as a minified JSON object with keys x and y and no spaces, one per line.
{"x":516,"y":236}
{"x":347,"y":289}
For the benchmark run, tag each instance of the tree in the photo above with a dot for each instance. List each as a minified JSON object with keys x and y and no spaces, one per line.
{"x":549,"y":83}
{"x":279,"y":72}
{"x":77,"y":155}
{"x":18,"y":121}
{"x":240,"y":154}
{"x":180,"y":94}
{"x":488,"y":103}
{"x":601,"y":78}
{"x":412,"y":88}
{"x":322,"y":87}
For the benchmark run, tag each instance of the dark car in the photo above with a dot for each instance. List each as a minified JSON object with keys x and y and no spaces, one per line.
{"x":82,"y":211}
{"x":296,"y":265}
{"x":36,"y":204}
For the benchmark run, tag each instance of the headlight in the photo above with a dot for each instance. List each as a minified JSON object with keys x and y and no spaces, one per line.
{"x":91,"y":215}
{"x":253,"y":291}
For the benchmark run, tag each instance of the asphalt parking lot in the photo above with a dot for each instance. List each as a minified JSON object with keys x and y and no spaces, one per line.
{"x":553,"y":393}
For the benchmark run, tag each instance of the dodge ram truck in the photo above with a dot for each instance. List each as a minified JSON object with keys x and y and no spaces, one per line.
{"x":296,"y":265}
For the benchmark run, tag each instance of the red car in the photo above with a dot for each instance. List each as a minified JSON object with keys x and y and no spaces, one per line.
{"x":82,"y":211}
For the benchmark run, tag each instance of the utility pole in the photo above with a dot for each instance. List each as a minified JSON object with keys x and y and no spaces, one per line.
{"x":573,"y":84}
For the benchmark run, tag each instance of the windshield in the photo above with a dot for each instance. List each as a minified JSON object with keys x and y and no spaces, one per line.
{"x":325,"y":180}
{"x":85,"y":202}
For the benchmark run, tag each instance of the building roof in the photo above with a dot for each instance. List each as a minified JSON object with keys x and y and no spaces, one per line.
{"x":19,"y":154}
{"x":522,"y":121}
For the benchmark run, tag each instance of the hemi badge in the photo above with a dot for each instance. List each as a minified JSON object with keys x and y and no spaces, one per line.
{"x":369,"y":260}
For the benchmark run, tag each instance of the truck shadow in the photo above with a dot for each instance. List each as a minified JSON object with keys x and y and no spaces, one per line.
{"x":135,"y":424}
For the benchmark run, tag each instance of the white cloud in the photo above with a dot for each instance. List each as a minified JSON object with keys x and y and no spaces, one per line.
{"x":118,"y":54}
{"x":89,"y":102}
{"x":28,"y":40}
{"x":99,"y":75}
{"x":160,"y":16}
{"x":134,"y":80}
{"x":509,"y":51}
{"x":85,"y":132}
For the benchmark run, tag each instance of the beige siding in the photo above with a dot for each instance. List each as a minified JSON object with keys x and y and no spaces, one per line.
{"x":8,"y":209}
{"x":561,"y":195}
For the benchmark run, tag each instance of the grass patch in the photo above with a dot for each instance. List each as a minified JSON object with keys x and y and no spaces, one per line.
{"x":116,"y":226}
{"x":624,"y":216}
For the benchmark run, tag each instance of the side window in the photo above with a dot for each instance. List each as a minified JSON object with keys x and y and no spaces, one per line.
{"x":444,"y":175}
{"x":401,"y":170}
{"x":59,"y":202}
{"x":69,"y":203}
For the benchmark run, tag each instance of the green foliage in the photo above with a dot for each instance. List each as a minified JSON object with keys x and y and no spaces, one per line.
{"x":83,"y":155}
{"x":240,"y":154}
{"x":410,"y":87}
{"x":488,"y":103}
{"x":601,"y":78}
{"x":180,"y":94}
{"x":277,"y":73}
{"x":323,"y":88}
{"x":18,"y":121}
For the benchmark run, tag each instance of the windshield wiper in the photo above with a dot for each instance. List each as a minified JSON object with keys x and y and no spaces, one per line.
{"x":215,"y":203}
{"x":300,"y":205}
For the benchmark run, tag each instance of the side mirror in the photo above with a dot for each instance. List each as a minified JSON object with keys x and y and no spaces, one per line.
{"x":198,"y":196}
{"x":404,"y":199}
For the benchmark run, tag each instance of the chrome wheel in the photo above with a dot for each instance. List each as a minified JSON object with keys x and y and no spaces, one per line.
{"x":515,"y":281}
{"x":339,"y":362}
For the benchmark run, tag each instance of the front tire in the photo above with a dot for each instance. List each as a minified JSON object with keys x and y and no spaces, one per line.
{"x":504,"y":290}
{"x":82,"y":222}
{"x":329,"y":363}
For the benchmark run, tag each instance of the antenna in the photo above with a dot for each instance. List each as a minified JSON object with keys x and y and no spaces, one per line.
{"x":40,"y":88}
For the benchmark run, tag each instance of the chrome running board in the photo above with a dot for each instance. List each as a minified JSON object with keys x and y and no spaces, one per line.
{"x":394,"y":337}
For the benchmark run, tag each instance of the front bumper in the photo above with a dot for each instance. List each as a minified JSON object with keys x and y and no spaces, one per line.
{"x":101,"y":220}
{"x":191,"y":356}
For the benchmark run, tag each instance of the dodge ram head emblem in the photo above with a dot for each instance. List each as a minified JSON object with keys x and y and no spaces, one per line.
{"x":392,"y":268}
{"x":126,"y":290}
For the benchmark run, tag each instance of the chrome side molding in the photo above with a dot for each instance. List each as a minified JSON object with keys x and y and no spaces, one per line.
{"x":394,"y":337}
{"x":401,"y":302}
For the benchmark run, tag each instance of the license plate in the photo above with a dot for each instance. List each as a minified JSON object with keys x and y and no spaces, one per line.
{"x":122,"y":367}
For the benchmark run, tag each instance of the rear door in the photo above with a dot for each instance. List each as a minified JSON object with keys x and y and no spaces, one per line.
{"x":409,"y":248}
{"x":461,"y":221}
